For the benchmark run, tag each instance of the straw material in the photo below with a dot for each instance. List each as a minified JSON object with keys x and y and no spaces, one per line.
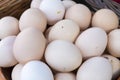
{"x":13,"y":7}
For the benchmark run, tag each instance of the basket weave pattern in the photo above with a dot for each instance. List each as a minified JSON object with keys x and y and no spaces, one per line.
{"x":13,"y":7}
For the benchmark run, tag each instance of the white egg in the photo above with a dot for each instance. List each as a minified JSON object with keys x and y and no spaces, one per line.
{"x":29,"y":45}
{"x":35,"y":3}
{"x":63,"y":56}
{"x":68,"y":3}
{"x":114,"y":42}
{"x":6,"y":52}
{"x":36,"y":70}
{"x":65,"y":76}
{"x":9,"y":26}
{"x":92,"y":42}
{"x":16,"y":72}
{"x":53,"y":9}
{"x":64,"y":30}
{"x":96,"y":68}
{"x":115,"y":65}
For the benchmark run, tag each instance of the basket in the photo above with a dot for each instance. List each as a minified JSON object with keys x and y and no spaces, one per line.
{"x":17,"y":7}
{"x":13,"y":7}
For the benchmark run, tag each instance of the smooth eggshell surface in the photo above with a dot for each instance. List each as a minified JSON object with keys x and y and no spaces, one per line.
{"x":96,"y":68}
{"x":68,"y":3}
{"x":35,"y":3}
{"x":115,"y":65}
{"x":36,"y":70}
{"x":106,"y":19}
{"x":92,"y":42}
{"x":64,"y":30}
{"x":53,"y":9}
{"x":16,"y":72}
{"x":9,"y":26}
{"x":29,"y":45}
{"x":65,"y":76}
{"x":7,"y":58}
{"x":33,"y":17}
{"x":63,"y":56}
{"x":114,"y":42}
{"x":80,"y":14}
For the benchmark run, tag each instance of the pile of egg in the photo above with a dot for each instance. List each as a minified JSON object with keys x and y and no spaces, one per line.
{"x":61,"y":40}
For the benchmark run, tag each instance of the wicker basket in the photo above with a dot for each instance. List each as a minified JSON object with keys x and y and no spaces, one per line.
{"x":16,"y":7}
{"x":13,"y":7}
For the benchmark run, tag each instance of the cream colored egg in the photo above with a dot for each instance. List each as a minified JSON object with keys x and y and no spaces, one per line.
{"x":96,"y":68}
{"x":64,"y":30}
{"x":33,"y":17}
{"x":35,"y":3}
{"x":114,"y":42}
{"x":80,"y":14}
{"x":106,"y":19}
{"x":53,"y":9}
{"x":16,"y":72}
{"x":36,"y":70}
{"x":7,"y":58}
{"x":68,"y":3}
{"x":29,"y":45}
{"x":65,"y":76}
{"x":92,"y":42}
{"x":8,"y":26}
{"x":63,"y":56}
{"x":115,"y":65}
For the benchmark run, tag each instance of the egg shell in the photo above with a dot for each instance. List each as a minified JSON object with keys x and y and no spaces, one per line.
{"x":106,"y":19}
{"x":35,"y":3}
{"x":68,"y":3}
{"x":115,"y":65}
{"x":64,"y":30}
{"x":7,"y":58}
{"x":9,"y":26}
{"x":65,"y":76}
{"x":96,"y":68}
{"x":33,"y":17}
{"x":92,"y":42}
{"x":29,"y":45}
{"x":114,"y":42}
{"x":53,"y":9}
{"x":36,"y":70}
{"x":16,"y":72}
{"x":63,"y":56}
{"x":80,"y":14}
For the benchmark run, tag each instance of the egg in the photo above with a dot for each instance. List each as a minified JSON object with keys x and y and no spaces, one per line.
{"x":92,"y":42}
{"x":80,"y":14}
{"x":106,"y":19}
{"x":68,"y":3}
{"x":63,"y":56}
{"x":7,"y":58}
{"x":114,"y":42}
{"x":33,"y":17}
{"x":36,"y":70}
{"x":64,"y":30}
{"x":53,"y":9}
{"x":47,"y":32}
{"x":35,"y":3}
{"x":96,"y":68}
{"x":65,"y":76}
{"x":9,"y":26}
{"x":115,"y":65}
{"x":29,"y":45}
{"x":16,"y":72}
